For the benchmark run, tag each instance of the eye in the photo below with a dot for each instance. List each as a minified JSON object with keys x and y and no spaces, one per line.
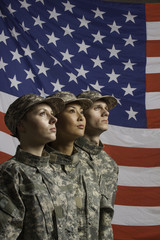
{"x":97,"y":108}
{"x":82,"y":112}
{"x":71,"y":110}
{"x":43,"y":113}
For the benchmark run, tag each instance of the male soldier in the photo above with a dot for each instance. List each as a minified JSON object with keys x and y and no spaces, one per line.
{"x":107,"y":170}
{"x":34,"y":203}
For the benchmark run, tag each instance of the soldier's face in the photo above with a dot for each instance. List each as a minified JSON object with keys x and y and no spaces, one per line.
{"x":38,"y":125}
{"x":71,"y":122}
{"x":97,"y":117}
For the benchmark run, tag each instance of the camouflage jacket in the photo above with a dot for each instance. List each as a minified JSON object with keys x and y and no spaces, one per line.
{"x":107,"y":177}
{"x":33,"y":205}
{"x":84,"y":181}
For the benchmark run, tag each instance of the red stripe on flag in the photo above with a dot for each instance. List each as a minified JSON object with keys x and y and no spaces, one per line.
{"x":152,"y":12}
{"x":153,"y":82}
{"x":135,"y":157}
{"x":3,"y":127}
{"x":4,"y":157}
{"x":136,"y":232}
{"x":138,"y":196}
{"x":153,"y":118}
{"x":153,"y":48}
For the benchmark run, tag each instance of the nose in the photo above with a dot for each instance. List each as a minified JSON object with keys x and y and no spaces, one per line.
{"x":81,"y":117}
{"x":53,"y":119}
{"x":105,"y":112}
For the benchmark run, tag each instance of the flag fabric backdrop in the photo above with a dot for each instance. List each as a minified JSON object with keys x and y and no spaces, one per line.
{"x":48,"y":46}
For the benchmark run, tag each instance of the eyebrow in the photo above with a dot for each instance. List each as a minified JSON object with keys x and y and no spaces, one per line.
{"x":74,"y":106}
{"x":43,"y":108}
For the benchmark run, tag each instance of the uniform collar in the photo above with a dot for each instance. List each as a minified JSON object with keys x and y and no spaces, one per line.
{"x":60,"y":158}
{"x":32,"y":160}
{"x":88,"y":146}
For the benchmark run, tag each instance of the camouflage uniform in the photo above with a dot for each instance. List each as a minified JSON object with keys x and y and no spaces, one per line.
{"x":83,"y":177}
{"x":107,"y":176}
{"x":33,"y":203}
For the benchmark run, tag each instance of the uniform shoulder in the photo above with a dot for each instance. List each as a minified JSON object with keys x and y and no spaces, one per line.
{"x":11,"y":166}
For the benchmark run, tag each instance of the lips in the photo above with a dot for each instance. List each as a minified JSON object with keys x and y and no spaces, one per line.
{"x":53,"y":129}
{"x":80,"y":126}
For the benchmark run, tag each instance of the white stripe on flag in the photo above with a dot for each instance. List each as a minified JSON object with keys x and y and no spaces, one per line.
{"x":9,"y":143}
{"x":153,"y":65}
{"x":131,"y":137}
{"x":5,"y":100}
{"x":153,"y":30}
{"x":136,"y":216}
{"x":139,"y":176}
{"x":152,"y":100}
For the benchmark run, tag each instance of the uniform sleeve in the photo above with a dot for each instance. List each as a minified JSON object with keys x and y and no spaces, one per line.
{"x":11,"y":206}
{"x":108,"y":186}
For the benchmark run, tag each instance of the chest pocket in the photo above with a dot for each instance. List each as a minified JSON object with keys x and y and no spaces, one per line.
{"x":38,"y":204}
{"x":8,"y":210}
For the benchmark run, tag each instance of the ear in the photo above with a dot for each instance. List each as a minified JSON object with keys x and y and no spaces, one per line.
{"x":21,"y":126}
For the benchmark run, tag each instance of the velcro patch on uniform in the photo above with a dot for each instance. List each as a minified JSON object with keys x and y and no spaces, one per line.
{"x":59,"y":211}
{"x":6,"y":204}
{"x":78,"y":202}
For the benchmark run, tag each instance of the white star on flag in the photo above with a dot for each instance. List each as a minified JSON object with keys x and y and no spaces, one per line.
{"x":3,"y":38}
{"x":83,"y":47}
{"x":113,"y":52}
{"x":30,"y":74}
{"x":130,"y":17}
{"x":98,"y":37}
{"x":97,"y":86}
{"x":83,"y":22}
{"x":128,"y":90}
{"x":14,"y":82}
{"x":98,"y":13}
{"x":67,"y":56}
{"x":97,"y":62}
{"x":28,"y":51}
{"x":131,"y":114}
{"x":113,"y":76}
{"x":129,"y":65}
{"x":68,"y":6}
{"x":81,"y":71}
{"x":73,"y":77}
{"x":42,"y":69}
{"x":57,"y":86}
{"x":129,"y":40}
{"x":52,"y":39}
{"x":54,"y":14}
{"x":68,"y":30}
{"x":24,"y":4}
{"x":16,"y":55}
{"x":2,"y":64}
{"x":38,"y":21}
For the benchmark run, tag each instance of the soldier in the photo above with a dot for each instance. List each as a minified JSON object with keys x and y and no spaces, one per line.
{"x":32,"y":204}
{"x":107,"y":170}
{"x":75,"y":166}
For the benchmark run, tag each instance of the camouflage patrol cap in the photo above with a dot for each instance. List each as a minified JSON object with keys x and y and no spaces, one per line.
{"x":23,"y":104}
{"x":95,"y":96}
{"x":69,"y":97}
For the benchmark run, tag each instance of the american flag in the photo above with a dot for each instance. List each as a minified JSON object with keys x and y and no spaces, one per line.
{"x":48,"y":46}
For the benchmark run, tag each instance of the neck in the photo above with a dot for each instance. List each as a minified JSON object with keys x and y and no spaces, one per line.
{"x":35,"y":149}
{"x":92,"y":139}
{"x":63,"y":147}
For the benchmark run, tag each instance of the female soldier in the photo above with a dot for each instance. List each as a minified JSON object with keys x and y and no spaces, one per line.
{"x":75,"y":165}
{"x":32,"y":205}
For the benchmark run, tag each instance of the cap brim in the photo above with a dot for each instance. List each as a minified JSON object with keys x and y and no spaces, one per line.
{"x":111,"y":101}
{"x":56,"y":103}
{"x":84,"y":103}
